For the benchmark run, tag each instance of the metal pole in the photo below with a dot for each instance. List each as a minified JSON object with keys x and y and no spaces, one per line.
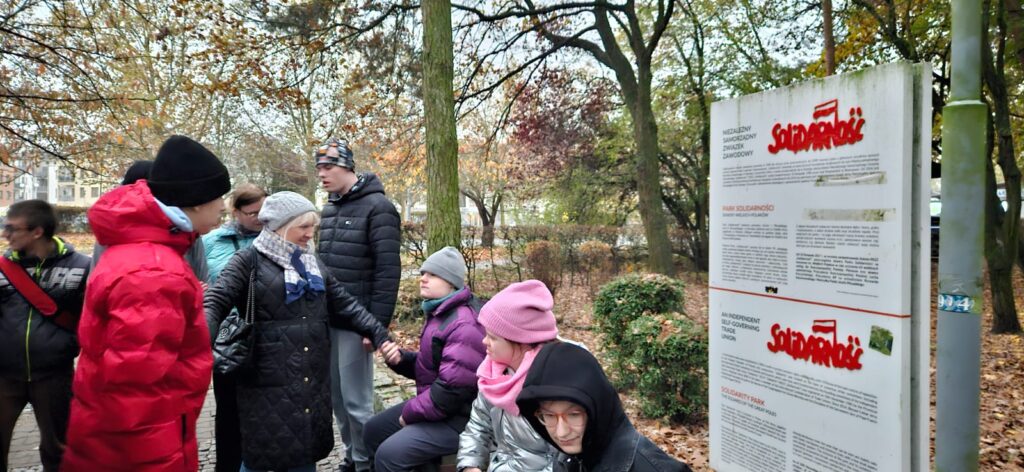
{"x":961,"y":249}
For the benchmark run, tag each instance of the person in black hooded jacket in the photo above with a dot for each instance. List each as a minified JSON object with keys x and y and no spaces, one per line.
{"x":569,"y":401}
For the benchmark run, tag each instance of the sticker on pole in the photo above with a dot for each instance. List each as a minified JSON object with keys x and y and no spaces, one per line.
{"x":956,"y":303}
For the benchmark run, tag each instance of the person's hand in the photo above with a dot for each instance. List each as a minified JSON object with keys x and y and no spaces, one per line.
{"x":390,"y":353}
{"x":401,"y":421}
{"x":204,"y":286}
{"x":471,"y":469}
{"x":367,"y":345}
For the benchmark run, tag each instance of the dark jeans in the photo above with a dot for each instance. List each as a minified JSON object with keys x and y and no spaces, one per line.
{"x":51,"y":402}
{"x":226,"y":430}
{"x":402,"y":449}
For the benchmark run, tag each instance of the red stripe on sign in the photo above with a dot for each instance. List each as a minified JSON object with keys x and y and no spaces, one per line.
{"x":811,"y":302}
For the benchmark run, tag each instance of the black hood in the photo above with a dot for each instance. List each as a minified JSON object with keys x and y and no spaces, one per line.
{"x":565,"y":371}
{"x":367,"y":184}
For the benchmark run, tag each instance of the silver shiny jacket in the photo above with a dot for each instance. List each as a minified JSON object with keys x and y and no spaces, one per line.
{"x":508,"y":441}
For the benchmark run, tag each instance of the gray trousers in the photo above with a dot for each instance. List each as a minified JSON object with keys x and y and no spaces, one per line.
{"x":352,"y":393}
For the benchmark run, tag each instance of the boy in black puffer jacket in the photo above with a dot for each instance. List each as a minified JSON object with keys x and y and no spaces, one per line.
{"x":360,"y":238}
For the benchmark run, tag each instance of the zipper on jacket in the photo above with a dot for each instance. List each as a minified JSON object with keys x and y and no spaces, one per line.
{"x":28,"y":326}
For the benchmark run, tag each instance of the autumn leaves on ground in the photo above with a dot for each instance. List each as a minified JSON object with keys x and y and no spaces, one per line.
{"x":1002,"y":375}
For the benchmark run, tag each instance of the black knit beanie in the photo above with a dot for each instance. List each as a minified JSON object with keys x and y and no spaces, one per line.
{"x":187,"y":174}
{"x":138,"y":170}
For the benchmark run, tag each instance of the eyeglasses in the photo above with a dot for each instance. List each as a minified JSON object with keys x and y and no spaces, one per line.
{"x":14,"y":229}
{"x":574,"y":419}
{"x":250,"y":214}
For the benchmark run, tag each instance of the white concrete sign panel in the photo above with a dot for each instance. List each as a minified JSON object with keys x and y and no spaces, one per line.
{"x":818,"y":275}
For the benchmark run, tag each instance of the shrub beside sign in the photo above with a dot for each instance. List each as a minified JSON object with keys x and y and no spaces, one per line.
{"x":819,"y":275}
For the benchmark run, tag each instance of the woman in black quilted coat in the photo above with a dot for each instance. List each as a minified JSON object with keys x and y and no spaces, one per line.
{"x":284,"y":398}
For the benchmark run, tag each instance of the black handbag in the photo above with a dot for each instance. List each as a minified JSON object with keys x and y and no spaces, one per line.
{"x":232,"y":349}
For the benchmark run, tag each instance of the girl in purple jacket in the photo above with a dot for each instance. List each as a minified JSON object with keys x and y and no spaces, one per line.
{"x":426,"y":427}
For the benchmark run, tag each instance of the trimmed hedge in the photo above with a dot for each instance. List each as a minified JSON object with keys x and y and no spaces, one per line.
{"x":653,"y":346}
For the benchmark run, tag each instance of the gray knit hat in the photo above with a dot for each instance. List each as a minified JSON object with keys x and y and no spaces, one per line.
{"x":447,"y":264}
{"x":282,"y":207}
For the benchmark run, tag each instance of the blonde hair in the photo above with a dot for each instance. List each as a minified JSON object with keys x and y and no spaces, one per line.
{"x":307,"y":217}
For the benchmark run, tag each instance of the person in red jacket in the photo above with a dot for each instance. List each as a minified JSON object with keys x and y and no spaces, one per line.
{"x":145,"y":363}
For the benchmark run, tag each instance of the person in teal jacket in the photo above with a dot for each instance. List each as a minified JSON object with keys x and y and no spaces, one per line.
{"x":239,"y":233}
{"x":221,"y":244}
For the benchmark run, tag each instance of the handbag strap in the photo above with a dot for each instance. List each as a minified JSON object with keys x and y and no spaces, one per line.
{"x":250,"y":303}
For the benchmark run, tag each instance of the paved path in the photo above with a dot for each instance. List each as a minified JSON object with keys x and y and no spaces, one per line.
{"x":390,"y":389}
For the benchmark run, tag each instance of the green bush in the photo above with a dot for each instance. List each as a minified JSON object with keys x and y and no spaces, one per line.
{"x":627,"y":298}
{"x":673,"y":354}
{"x":653,"y":346}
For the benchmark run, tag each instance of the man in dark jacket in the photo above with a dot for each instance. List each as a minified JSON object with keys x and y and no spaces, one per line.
{"x":360,"y":238}
{"x":569,"y":401}
{"x":36,"y":354}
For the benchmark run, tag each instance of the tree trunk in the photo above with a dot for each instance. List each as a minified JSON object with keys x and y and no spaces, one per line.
{"x":1001,"y":280}
{"x":830,"y":41}
{"x":1002,"y":228}
{"x":648,"y":177}
{"x":1020,"y":246}
{"x":443,"y":216}
{"x":702,"y":205}
{"x":487,"y":217}
{"x":487,"y":236}
{"x":701,"y":253}
{"x":1000,"y":267}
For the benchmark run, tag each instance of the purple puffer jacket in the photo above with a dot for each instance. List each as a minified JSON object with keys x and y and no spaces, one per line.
{"x":451,"y":349}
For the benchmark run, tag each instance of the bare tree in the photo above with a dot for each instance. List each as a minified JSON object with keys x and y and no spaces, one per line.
{"x":621,"y":37}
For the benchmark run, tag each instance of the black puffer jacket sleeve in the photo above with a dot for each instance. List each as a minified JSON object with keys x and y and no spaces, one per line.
{"x":385,"y":245}
{"x":406,"y":366}
{"x":347,"y":313}
{"x":229,"y":291}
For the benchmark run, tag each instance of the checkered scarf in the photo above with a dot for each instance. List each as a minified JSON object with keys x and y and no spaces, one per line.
{"x":301,"y":271}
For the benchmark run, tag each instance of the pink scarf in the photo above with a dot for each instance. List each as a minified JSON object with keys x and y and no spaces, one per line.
{"x":499,"y":388}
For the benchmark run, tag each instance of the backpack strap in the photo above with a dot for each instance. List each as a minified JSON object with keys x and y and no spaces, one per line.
{"x":35,"y":295}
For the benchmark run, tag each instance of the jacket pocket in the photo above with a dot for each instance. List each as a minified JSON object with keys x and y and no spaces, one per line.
{"x":159,"y":443}
{"x":268,"y":364}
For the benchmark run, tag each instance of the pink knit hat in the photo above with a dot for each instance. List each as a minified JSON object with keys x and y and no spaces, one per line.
{"x":521,"y":313}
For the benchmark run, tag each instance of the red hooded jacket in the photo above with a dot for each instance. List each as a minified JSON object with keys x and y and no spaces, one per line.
{"x":146,"y":362}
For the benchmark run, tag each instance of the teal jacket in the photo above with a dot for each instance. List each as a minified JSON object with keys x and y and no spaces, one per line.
{"x":221,"y":244}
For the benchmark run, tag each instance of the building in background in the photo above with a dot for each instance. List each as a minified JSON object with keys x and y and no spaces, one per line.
{"x":7,"y":176}
{"x":56,"y":183}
